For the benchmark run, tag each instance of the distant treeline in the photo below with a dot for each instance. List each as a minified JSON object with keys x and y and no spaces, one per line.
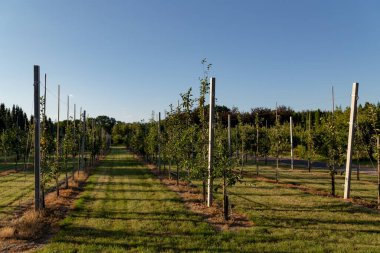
{"x":13,"y":117}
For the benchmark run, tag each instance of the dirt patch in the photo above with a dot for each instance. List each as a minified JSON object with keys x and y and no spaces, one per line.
{"x":7,"y":172}
{"x":193,"y":199}
{"x":30,"y":230}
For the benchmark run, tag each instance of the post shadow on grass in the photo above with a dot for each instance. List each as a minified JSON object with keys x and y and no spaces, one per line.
{"x":294,"y":221}
{"x":107,"y":199}
{"x":130,"y":216}
{"x":131,"y":190}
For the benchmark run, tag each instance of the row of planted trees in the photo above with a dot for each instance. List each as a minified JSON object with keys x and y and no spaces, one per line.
{"x":180,"y":140}
{"x":64,"y":146}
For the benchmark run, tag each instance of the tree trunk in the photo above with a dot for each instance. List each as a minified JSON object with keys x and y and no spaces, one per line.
{"x":73,"y":172}
{"x":204,"y":188}
{"x":177,"y":174}
{"x":43,"y":197}
{"x":333,"y":183}
{"x":57,"y":185}
{"x":25,"y":166}
{"x":78,"y":164}
{"x":277,"y":168}
{"x":169,"y":169}
{"x":225,"y":205}
{"x":242,"y":165}
{"x":67,"y":178}
{"x":225,"y":198}
{"x":257,"y":165}
{"x":358,"y":170}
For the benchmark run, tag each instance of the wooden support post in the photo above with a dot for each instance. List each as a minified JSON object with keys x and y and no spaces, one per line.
{"x":57,"y":147}
{"x":58,"y":154}
{"x":291,"y":144}
{"x":378,"y":170}
{"x":159,"y":142}
{"x":332,"y":172}
{"x":66,"y":153}
{"x":229,"y":136}
{"x":79,"y":142}
{"x":93,"y":143}
{"x":211,"y":143}
{"x":257,"y":144}
{"x":37,"y":158}
{"x":347,"y":181}
{"x":277,"y":144}
{"x":45,"y":97}
{"x":75,"y":138}
{"x":309,"y":145}
{"x":83,"y":165}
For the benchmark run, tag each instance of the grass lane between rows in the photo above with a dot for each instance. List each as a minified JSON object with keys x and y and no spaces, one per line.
{"x":125,"y":209}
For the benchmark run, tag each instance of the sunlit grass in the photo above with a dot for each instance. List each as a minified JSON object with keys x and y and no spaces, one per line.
{"x":17,"y":189}
{"x":125,"y":209}
{"x":320,"y":179}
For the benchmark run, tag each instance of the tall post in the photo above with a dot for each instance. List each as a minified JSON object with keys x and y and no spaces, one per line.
{"x":266,"y":141}
{"x":332,"y":172}
{"x":59,"y":91}
{"x":347,"y":181}
{"x":309,"y":145}
{"x":93,"y":143}
{"x":79,"y":142}
{"x":291,"y":144}
{"x":75,"y":137}
{"x":67,"y":128}
{"x":159,"y":142}
{"x":277,"y":144}
{"x":45,"y":96}
{"x":378,"y":170}
{"x":257,"y":144}
{"x":83,"y":138}
{"x":211,"y":143}
{"x":37,"y":203}
{"x":58,"y":153}
{"x":229,"y":136}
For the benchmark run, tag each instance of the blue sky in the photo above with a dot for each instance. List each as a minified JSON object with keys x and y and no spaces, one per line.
{"x":127,"y":58}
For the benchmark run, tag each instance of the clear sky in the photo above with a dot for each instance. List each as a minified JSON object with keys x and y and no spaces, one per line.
{"x":127,"y":58}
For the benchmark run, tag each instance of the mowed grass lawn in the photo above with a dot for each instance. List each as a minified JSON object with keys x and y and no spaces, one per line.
{"x":320,"y":179}
{"x":17,"y":190}
{"x":125,"y":209}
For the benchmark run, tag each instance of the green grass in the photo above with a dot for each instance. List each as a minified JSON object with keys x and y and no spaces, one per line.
{"x":126,"y":209}
{"x":320,"y":179}
{"x":16,"y":190}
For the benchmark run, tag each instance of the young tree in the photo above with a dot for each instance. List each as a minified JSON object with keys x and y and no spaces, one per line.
{"x":201,"y":148}
{"x":223,"y":165}
{"x":374,"y":113}
{"x":68,"y":146}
